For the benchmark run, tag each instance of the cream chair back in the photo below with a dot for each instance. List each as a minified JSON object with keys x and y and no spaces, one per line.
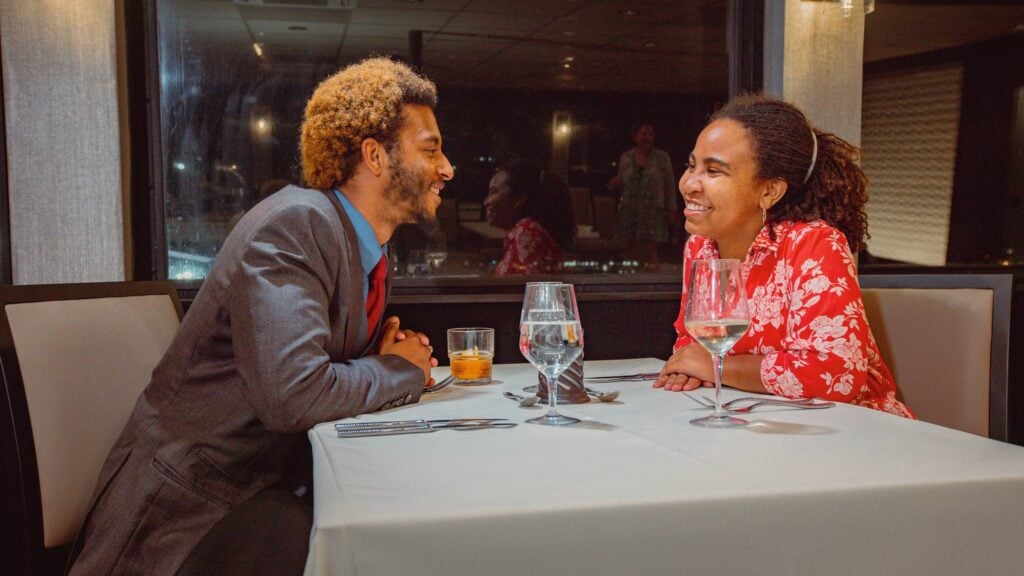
{"x":947,"y":349}
{"x":80,"y":355}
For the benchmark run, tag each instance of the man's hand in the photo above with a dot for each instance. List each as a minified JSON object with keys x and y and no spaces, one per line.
{"x":689,"y":368}
{"x":409,"y":344}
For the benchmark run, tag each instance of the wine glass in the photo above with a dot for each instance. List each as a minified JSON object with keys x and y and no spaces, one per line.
{"x":550,"y":337}
{"x":717,"y":316}
{"x":436,"y":251}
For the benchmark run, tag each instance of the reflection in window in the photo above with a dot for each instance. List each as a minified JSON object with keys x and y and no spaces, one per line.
{"x":565,"y":85}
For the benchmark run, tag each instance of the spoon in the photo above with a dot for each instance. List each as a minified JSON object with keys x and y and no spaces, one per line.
{"x":524,"y":401}
{"x":603,"y":396}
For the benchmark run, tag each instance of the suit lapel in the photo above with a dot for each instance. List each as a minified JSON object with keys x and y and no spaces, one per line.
{"x":355,"y":337}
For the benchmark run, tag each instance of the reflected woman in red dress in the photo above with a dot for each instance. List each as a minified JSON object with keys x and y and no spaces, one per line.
{"x":764,"y":187}
{"x":534,"y":207}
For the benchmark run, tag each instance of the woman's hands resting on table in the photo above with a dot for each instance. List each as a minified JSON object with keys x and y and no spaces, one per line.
{"x":687,"y":369}
{"x":409,"y":344}
{"x":690,"y":368}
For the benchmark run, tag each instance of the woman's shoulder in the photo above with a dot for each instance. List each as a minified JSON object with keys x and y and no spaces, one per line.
{"x":698,"y":247}
{"x":794,"y":231}
{"x":531,"y":225}
{"x":816,"y":236}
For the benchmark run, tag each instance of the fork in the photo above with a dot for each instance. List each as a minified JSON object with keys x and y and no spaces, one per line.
{"x":442,"y":384}
{"x":735,"y":401}
{"x":802,"y":406}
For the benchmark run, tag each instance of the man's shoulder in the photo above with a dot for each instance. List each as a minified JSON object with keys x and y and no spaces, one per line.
{"x":293,"y":195}
{"x":292,"y":202}
{"x":291,"y":214}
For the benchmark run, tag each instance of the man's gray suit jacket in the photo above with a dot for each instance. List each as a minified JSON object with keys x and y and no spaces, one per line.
{"x":274,"y":343}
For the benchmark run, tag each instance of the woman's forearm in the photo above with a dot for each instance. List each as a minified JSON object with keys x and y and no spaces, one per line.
{"x":743,"y":371}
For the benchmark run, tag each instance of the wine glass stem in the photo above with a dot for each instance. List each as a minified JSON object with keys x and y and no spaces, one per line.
{"x":718,"y":360}
{"x":552,"y":395}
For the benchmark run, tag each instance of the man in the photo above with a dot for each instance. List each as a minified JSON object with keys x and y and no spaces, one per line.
{"x":284,"y":334}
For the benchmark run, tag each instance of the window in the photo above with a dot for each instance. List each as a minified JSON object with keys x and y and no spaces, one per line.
{"x":562,"y":83}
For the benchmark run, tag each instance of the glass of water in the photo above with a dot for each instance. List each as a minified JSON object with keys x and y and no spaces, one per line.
{"x":550,"y":337}
{"x":717,"y":316}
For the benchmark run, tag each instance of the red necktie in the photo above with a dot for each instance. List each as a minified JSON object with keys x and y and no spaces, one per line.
{"x":375,"y":295}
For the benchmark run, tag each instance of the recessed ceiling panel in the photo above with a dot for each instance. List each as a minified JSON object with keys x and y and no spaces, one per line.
{"x":526,"y":7}
{"x":412,"y":18}
{"x":505,"y":24}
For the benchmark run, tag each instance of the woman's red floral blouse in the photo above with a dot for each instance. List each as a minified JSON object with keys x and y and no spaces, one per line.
{"x":529,"y":249}
{"x":807,"y":317}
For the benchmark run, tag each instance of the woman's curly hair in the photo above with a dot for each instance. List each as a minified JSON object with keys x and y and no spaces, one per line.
{"x":836,"y":188}
{"x":362,"y":101}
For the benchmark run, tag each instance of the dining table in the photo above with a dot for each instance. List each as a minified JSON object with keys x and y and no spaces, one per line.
{"x":635,"y":488}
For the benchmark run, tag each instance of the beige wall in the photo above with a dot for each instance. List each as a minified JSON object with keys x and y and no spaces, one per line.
{"x":63,"y":144}
{"x":911,"y":125}
{"x":813,"y":57}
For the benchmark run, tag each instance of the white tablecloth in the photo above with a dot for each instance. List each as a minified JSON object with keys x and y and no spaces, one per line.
{"x":637,"y":489}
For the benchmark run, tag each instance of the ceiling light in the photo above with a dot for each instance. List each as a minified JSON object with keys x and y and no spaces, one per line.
{"x":562,"y":123}
{"x":258,"y":48}
{"x":566,"y":65}
{"x":629,"y":13}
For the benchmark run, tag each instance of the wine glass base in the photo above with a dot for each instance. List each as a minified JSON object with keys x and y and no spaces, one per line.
{"x":722,"y":421}
{"x":556,"y":420}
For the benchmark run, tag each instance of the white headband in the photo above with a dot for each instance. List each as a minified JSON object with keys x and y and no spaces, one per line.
{"x":814,"y":157}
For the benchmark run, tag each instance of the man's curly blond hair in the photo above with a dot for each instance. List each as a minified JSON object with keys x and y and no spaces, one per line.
{"x":362,"y":101}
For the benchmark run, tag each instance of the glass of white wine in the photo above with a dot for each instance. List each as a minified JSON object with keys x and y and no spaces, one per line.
{"x":717,"y":316}
{"x":551,"y":338}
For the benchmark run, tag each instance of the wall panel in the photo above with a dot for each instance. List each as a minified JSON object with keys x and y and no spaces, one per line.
{"x":63,"y":147}
{"x":910,"y":127}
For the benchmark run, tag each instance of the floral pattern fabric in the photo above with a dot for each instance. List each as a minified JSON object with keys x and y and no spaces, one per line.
{"x":807,"y":317}
{"x":529,"y":249}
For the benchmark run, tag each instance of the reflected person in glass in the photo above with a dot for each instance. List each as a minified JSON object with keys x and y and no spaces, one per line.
{"x":286,"y":333}
{"x":533,"y":206}
{"x":765,"y":187}
{"x":647,"y":205}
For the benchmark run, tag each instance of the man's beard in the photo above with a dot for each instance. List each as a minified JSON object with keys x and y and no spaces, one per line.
{"x":408,"y":192}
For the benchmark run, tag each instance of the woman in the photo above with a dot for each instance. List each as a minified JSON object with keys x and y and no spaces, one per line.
{"x":648,"y":200}
{"x":533,"y":205}
{"x":762,"y":186}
